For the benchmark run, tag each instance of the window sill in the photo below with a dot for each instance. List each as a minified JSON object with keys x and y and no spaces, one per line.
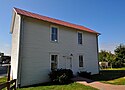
{"x":81,"y":68}
{"x":54,"y":41}
{"x":80,"y":44}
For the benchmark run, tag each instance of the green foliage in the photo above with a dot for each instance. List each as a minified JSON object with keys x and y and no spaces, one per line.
{"x":1,"y":57}
{"x":120,"y":55}
{"x":61,"y":76}
{"x":105,"y":56}
{"x":3,"y":79}
{"x":115,"y":60}
{"x":102,"y":56}
{"x":1,"y":54}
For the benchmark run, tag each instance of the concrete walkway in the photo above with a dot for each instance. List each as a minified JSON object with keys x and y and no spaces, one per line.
{"x":98,"y":85}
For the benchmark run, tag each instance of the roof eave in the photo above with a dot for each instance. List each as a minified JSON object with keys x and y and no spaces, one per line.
{"x":13,"y":20}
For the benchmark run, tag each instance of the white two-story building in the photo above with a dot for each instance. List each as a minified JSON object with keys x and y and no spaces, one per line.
{"x":40,"y":44}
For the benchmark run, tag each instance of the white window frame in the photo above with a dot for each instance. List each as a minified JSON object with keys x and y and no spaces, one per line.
{"x":78,"y":37}
{"x":51,"y":33}
{"x":57,"y":60}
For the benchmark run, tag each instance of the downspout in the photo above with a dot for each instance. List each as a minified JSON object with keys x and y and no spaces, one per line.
{"x":97,"y":51}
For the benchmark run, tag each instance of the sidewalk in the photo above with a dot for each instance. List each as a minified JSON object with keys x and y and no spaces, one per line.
{"x":98,"y":85}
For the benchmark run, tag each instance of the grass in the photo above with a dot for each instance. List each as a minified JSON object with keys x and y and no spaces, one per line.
{"x":119,"y":81}
{"x":114,"y":76}
{"x":3,"y":79}
{"x":50,"y":86}
{"x":71,"y":86}
{"x":115,"y":68}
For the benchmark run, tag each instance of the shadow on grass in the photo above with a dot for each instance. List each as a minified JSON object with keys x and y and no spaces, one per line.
{"x":106,"y":75}
{"x":47,"y":84}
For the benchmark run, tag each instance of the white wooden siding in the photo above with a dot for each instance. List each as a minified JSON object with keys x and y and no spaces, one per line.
{"x":15,"y":47}
{"x":37,"y":47}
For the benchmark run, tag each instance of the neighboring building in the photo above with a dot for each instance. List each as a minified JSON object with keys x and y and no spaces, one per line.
{"x":1,"y":54}
{"x":4,"y":59}
{"x":40,"y":44}
{"x":0,"y":61}
{"x":103,"y":65}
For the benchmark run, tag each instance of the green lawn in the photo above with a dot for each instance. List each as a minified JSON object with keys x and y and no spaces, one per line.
{"x":72,"y":86}
{"x":3,"y":79}
{"x":50,"y":86}
{"x":114,"y":76}
{"x":115,"y":68}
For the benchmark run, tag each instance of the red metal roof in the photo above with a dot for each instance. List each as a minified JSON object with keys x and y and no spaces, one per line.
{"x":52,"y":20}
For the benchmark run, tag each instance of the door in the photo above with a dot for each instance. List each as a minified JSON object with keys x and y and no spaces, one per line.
{"x":69,"y":63}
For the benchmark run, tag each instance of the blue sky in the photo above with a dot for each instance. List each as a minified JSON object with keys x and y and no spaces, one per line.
{"x":104,"y":16}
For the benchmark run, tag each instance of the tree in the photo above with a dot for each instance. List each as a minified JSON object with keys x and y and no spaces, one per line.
{"x":111,"y":59}
{"x":105,"y":56}
{"x":1,"y":54}
{"x":1,"y":57}
{"x":102,"y":56}
{"x":120,"y":55}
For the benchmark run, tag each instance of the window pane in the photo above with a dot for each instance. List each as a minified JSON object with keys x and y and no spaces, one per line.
{"x":80,"y":61}
{"x":55,"y":58}
{"x":53,"y":66}
{"x":52,"y":30}
{"x":54,"y":62}
{"x":52,"y":57}
{"x":79,"y":38}
{"x":52,"y":37}
{"x":54,"y":34}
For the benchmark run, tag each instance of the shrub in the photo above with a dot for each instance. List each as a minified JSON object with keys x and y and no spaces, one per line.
{"x":61,"y":76}
{"x":84,"y":74}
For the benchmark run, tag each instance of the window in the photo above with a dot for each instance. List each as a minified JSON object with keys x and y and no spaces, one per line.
{"x":54,"y":62}
{"x":54,"y":34}
{"x":80,"y":60}
{"x":79,"y":38}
